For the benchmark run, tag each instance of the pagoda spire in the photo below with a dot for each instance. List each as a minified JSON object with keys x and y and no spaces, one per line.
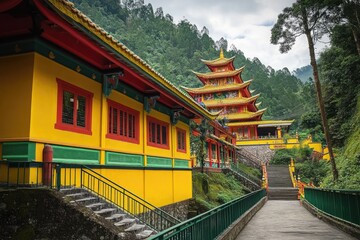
{"x":221,"y":53}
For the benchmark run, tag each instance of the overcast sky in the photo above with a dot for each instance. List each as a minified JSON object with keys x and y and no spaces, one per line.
{"x":245,"y":23}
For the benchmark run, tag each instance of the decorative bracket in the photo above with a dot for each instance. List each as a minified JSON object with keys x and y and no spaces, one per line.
{"x":175,"y":114}
{"x":111,"y":81}
{"x":150,"y":101}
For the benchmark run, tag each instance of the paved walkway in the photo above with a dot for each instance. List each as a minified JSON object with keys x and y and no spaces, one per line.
{"x":279,"y":220}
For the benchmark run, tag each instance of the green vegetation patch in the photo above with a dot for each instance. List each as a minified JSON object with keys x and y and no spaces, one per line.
{"x":312,"y":171}
{"x":254,"y":172}
{"x":214,"y":189}
{"x":283,"y":156}
{"x":348,"y":162}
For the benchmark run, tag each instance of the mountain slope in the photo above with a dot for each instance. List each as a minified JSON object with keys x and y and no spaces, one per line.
{"x":175,"y":49}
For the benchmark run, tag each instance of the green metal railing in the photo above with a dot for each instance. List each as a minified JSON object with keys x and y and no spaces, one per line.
{"x":30,"y":174}
{"x":341,"y":204}
{"x":25,"y":174}
{"x":235,"y":168}
{"x":127,"y":201}
{"x":212,"y":223}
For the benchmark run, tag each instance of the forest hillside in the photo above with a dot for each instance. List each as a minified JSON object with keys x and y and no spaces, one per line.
{"x":175,"y":49}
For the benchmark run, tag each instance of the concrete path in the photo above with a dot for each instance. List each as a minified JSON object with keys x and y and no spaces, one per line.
{"x":288,"y":220}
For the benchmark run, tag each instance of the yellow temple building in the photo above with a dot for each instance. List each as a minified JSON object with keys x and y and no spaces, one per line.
{"x":225,"y":91}
{"x":69,"y":85}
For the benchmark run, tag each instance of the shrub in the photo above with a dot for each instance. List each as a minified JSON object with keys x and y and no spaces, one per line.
{"x":283,"y":156}
{"x":312,"y":171}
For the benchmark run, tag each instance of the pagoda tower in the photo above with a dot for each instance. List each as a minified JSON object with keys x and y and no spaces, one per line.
{"x":225,"y":91}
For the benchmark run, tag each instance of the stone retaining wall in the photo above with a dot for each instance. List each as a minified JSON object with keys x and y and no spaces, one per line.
{"x":261,"y":152}
{"x":43,"y":214}
{"x":179,"y":210}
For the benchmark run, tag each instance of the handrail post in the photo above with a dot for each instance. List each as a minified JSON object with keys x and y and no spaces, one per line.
{"x":8,"y":174}
{"x":81,"y":177}
{"x":58,"y":176}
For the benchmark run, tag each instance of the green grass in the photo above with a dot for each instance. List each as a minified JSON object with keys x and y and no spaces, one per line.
{"x":213,"y":189}
{"x":348,"y":161}
{"x":255,"y":172}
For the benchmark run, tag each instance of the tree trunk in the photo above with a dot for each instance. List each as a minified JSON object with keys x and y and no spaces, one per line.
{"x":356,"y":39}
{"x":319,"y":94}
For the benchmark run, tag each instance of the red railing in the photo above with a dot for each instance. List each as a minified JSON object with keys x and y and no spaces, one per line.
{"x":297,"y":183}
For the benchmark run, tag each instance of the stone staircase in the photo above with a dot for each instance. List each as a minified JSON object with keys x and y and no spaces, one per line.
{"x":129,"y":227}
{"x":280,"y":186}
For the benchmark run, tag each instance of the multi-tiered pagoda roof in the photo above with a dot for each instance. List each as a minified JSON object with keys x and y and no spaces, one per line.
{"x":225,"y":91}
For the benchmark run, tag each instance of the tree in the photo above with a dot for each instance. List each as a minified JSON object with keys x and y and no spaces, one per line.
{"x":312,"y":19}
{"x":199,"y":142}
{"x":351,"y":13}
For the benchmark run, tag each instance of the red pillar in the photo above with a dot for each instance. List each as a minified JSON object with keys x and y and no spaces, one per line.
{"x":47,"y":164}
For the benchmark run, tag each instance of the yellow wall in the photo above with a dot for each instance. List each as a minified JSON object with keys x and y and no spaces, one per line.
{"x":131,"y":179}
{"x":182,"y":181}
{"x":260,"y":141}
{"x":116,"y":145}
{"x":316,"y":147}
{"x":45,"y":102}
{"x":44,"y":107}
{"x":32,"y":94}
{"x":159,"y":187}
{"x":15,"y":92}
{"x":326,"y":155}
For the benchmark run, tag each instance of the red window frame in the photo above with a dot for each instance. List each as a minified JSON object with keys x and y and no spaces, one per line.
{"x":156,"y":130}
{"x":181,"y":140}
{"x":77,"y":92}
{"x":127,"y":125}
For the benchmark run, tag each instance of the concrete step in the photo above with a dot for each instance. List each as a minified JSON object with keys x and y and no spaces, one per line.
{"x":83,"y":199}
{"x":105,"y":211}
{"x":135,"y":227}
{"x":127,"y":226}
{"x":96,"y":205}
{"x":80,"y":194}
{"x":282,"y":193}
{"x":144,"y":234}
{"x":125,"y":221}
{"x":115,"y":216}
{"x":69,"y":189}
{"x":279,"y":176}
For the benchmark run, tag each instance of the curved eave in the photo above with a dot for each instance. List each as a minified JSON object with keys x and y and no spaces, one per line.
{"x":244,"y":115}
{"x":222,"y":140}
{"x":230,"y":101}
{"x":263,"y":123}
{"x":218,"y":62}
{"x":213,"y":75}
{"x":93,"y":31}
{"x":213,"y":89}
{"x":276,"y":123}
{"x":217,"y":113}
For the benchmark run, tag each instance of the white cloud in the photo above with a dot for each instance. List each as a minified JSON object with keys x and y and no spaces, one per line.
{"x":246,"y":24}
